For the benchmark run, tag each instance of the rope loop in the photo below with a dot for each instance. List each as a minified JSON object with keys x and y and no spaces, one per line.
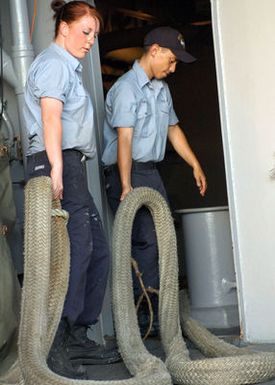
{"x":60,"y":213}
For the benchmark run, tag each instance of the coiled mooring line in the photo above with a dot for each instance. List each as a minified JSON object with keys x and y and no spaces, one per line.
{"x":45,"y":286}
{"x":235,"y":366}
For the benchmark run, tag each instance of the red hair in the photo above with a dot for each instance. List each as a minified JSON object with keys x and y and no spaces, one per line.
{"x":72,"y":11}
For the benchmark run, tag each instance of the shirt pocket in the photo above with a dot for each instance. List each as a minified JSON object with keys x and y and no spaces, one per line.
{"x":144,"y":124}
{"x":80,"y":91}
{"x":164,"y":107}
{"x":77,"y":91}
{"x":77,"y":103}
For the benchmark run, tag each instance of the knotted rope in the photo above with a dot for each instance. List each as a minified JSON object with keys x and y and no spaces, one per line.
{"x":240,"y":366}
{"x":45,"y":287}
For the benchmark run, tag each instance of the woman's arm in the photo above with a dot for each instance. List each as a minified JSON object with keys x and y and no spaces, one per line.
{"x":51,"y":111}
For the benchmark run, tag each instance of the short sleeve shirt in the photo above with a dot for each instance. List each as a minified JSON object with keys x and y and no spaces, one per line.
{"x":55,"y":73}
{"x":146,"y":106}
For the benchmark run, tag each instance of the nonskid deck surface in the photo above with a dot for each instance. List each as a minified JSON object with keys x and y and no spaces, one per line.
{"x":119,"y":371}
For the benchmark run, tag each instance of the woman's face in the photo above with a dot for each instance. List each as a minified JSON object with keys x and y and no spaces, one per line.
{"x":80,"y":35}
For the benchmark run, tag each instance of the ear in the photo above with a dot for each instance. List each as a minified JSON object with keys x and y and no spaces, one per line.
{"x":63,"y":28}
{"x":154,"y":49}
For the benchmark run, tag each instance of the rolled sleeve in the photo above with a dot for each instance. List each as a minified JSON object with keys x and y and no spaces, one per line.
{"x":121,"y":107}
{"x":173,"y":119}
{"x":52,"y":81}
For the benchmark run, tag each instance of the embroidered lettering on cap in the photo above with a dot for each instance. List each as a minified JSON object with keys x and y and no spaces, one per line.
{"x":181,"y":40}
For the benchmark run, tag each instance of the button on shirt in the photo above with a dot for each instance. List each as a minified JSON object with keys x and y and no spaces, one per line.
{"x":55,"y":73}
{"x":146,"y":106}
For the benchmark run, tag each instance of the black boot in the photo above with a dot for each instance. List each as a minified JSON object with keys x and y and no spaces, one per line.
{"x":58,"y":359}
{"x":84,"y":351}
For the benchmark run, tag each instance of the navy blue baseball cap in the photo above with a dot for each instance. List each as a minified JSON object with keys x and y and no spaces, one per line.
{"x":168,"y":37}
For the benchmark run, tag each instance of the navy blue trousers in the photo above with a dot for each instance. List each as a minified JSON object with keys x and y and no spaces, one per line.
{"x":90,"y":256}
{"x":144,"y":240}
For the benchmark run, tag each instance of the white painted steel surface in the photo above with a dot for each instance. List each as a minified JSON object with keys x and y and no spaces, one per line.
{"x":244,"y":42}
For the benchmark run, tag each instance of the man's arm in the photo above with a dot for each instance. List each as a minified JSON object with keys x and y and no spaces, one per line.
{"x":124,"y":158}
{"x":51,"y":110}
{"x":181,"y":145}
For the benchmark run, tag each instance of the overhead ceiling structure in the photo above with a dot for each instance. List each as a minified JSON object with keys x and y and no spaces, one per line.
{"x":119,"y":49}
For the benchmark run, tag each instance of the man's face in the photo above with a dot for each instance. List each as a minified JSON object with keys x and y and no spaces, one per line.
{"x":165,"y":62}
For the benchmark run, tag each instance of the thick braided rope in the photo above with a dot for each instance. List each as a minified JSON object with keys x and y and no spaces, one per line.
{"x":9,"y":309}
{"x":130,"y":343}
{"x":232,"y":370}
{"x":45,"y":285}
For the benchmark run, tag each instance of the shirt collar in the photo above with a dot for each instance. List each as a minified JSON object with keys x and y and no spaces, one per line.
{"x":143,"y":79}
{"x":77,"y":66}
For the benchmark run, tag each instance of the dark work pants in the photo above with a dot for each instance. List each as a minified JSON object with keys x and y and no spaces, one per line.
{"x":90,"y":255}
{"x":144,"y":240}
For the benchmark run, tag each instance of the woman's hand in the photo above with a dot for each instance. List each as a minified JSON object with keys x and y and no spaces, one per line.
{"x":125,"y":191}
{"x":57,"y":182}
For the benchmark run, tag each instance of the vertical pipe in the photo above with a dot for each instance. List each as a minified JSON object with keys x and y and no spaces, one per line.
{"x":10,"y":133}
{"x":9,"y":73}
{"x":22,"y":53}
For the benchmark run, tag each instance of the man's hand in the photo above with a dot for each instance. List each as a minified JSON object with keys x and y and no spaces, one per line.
{"x":200,"y":179}
{"x":181,"y":145}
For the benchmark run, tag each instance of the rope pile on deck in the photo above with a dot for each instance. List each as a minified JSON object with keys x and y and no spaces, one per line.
{"x":45,"y":285}
{"x":233,"y":365}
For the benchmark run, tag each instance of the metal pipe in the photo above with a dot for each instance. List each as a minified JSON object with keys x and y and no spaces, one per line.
{"x":22,"y":53}
{"x":8,"y":70}
{"x":9,"y":127}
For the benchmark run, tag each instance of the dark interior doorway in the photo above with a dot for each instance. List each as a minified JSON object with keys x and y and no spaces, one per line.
{"x":193,"y":86}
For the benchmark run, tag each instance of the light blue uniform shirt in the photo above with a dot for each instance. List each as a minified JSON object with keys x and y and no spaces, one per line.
{"x":135,"y":101}
{"x":55,"y":73}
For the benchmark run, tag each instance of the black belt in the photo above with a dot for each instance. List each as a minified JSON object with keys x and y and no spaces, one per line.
{"x":136,"y":166}
{"x":43,"y":154}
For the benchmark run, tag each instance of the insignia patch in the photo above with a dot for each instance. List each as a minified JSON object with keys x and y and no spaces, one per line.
{"x":40,"y":167}
{"x":181,"y":40}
